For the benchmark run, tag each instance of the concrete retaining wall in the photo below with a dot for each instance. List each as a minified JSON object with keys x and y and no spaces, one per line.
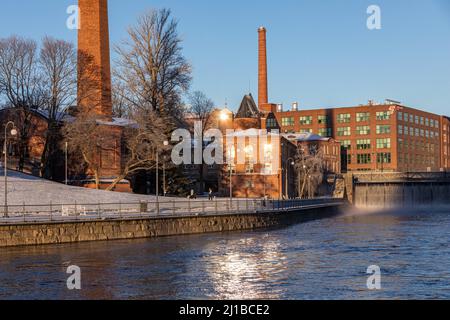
{"x":98,"y":230}
{"x":378,"y":195}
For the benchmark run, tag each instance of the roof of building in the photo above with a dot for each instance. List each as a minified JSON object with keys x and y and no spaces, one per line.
{"x":305,"y":137}
{"x":65,"y":117}
{"x":248,"y":108}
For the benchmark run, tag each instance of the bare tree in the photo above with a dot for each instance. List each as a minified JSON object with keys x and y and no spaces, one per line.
{"x":309,"y":166}
{"x":85,"y":140}
{"x":21,"y":85}
{"x":143,"y":141}
{"x":201,"y":109}
{"x":121,"y":106}
{"x":151,"y":66}
{"x":59,"y":71}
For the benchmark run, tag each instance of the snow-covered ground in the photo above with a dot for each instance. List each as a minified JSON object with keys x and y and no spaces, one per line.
{"x":29,"y":190}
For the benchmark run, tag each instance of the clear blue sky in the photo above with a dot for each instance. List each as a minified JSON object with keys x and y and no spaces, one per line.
{"x":320,"y":51}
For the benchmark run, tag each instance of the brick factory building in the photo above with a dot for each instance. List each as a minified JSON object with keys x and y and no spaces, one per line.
{"x":373,"y":137}
{"x":377,"y":137}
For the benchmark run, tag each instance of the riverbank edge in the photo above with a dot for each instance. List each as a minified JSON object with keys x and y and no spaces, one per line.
{"x":34,"y":234}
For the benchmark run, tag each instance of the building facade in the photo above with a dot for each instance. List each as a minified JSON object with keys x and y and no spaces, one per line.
{"x":376,"y":137}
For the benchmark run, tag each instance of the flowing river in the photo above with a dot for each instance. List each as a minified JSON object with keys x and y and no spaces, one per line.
{"x":323,"y":259}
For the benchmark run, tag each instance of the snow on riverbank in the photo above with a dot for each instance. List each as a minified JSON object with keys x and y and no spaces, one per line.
{"x":29,"y":190}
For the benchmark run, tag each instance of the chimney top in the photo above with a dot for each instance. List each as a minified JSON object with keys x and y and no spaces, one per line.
{"x":261,"y":29}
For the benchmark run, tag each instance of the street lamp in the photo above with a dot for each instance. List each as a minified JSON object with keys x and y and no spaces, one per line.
{"x":292,"y":163}
{"x":166,"y":143}
{"x":65,"y":162}
{"x":231,"y":158}
{"x":13,"y":133}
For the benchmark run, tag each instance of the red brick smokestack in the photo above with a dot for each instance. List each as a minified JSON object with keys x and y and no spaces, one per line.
{"x":262,"y":68}
{"x":94,"y":71}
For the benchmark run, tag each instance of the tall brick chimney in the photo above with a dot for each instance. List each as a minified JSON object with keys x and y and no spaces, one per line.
{"x":262,"y":68}
{"x":94,"y":70}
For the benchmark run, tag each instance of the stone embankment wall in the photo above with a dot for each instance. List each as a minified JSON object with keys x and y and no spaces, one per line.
{"x":100,"y":230}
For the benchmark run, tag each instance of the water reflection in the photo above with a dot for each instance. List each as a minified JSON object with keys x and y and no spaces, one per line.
{"x":246,"y":268}
{"x":324,"y":259}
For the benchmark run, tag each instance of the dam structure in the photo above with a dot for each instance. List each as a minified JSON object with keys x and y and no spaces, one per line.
{"x":394,"y":190}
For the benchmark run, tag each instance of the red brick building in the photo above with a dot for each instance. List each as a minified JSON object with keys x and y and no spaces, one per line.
{"x":445,"y":142}
{"x":262,"y":169}
{"x":376,"y":137}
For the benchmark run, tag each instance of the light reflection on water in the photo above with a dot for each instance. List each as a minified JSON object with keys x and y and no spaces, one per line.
{"x":325,"y":259}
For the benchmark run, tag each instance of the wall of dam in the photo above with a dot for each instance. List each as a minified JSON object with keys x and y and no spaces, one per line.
{"x":23,"y":234}
{"x":400,"y":194}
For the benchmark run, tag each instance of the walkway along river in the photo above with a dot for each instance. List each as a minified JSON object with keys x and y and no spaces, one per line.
{"x":41,"y":228}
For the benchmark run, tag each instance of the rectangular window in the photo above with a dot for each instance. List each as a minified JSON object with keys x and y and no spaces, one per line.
{"x":288,"y":122}
{"x":405,"y":117}
{"x":363,"y":130}
{"x":344,"y":131}
{"x":363,"y":144}
{"x":383,"y":115}
{"x":400,"y":115}
{"x":383,"y":129}
{"x":306,"y":120}
{"x":325,"y":132}
{"x":306,"y":130}
{"x":364,"y":158}
{"x":271,"y":123}
{"x":346,"y":144}
{"x":384,"y":157}
{"x":417,"y":132}
{"x":427,"y":122}
{"x":422,"y":121}
{"x":411,"y":118}
{"x":384,"y":143}
{"x":322,"y":119}
{"x":400,"y":129}
{"x":362,"y":116}
{"x":344,"y":118}
{"x":416,"y":119}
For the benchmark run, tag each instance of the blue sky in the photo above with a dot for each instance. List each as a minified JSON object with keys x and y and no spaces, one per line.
{"x":320,"y":51}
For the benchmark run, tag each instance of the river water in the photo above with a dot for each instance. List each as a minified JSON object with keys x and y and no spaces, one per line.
{"x":324,"y":259}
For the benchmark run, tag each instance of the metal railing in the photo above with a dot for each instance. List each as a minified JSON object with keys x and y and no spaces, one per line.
{"x":163,"y":209}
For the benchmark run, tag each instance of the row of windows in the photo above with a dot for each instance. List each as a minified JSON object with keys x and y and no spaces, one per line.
{"x":366,"y":144}
{"x":417,"y":132}
{"x":403,"y":116}
{"x":363,"y":117}
{"x":365,"y":130}
{"x":366,"y":158}
{"x":416,"y":159}
{"x":416,"y":145}
{"x":341,"y":118}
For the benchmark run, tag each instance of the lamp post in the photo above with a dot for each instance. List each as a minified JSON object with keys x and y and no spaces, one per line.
{"x":65,"y":169}
{"x":231,"y":160}
{"x":223,"y":118}
{"x":292,"y":163}
{"x":166,"y":143}
{"x":13,"y":133}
